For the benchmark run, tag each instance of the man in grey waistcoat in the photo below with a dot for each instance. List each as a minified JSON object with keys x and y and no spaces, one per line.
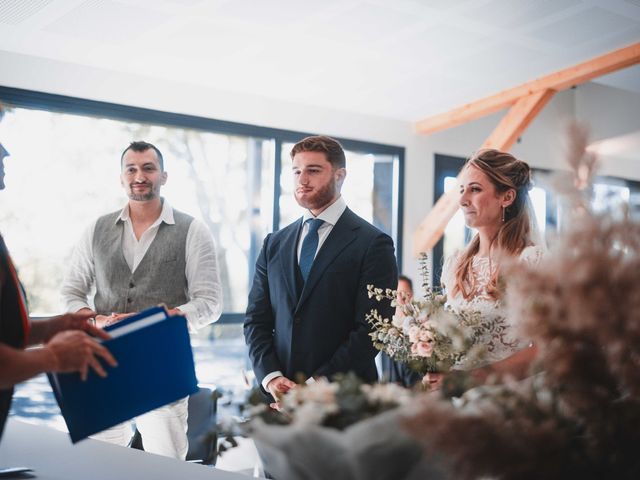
{"x":140,"y":256}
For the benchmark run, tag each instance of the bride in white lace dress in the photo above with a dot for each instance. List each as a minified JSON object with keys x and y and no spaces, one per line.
{"x":494,"y":198}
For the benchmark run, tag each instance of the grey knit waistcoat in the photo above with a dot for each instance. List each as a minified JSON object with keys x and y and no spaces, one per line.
{"x":159,"y":278}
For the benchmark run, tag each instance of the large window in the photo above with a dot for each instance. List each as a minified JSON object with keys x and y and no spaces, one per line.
{"x":63,"y":173}
{"x":64,"y":169}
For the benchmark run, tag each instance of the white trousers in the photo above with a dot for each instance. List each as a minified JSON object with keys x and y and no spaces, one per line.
{"x":164,"y":431}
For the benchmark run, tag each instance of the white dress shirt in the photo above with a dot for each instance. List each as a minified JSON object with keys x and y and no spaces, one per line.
{"x":202,"y":272}
{"x":330,"y":215}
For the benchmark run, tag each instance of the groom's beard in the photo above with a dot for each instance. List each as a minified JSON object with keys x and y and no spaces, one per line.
{"x":323,"y":196}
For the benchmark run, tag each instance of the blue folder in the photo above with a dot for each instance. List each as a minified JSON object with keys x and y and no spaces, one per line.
{"x":155,"y":367}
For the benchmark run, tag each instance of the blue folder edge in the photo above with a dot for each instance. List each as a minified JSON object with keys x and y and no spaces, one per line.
{"x":155,"y":368}
{"x":138,"y":316}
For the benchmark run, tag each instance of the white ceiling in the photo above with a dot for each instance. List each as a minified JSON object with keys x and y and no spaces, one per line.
{"x":403,"y":59}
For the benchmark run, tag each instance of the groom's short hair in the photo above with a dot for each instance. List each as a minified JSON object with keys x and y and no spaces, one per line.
{"x":320,"y":143}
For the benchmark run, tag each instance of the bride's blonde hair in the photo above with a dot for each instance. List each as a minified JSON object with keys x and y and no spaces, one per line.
{"x":505,"y":173}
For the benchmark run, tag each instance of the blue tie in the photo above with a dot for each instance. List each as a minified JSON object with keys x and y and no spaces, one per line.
{"x":309,"y":246}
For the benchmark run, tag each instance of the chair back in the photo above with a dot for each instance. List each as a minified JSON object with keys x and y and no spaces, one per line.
{"x":202,"y":432}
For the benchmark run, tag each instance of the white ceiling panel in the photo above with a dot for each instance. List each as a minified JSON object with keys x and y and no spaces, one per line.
{"x":519,"y":14}
{"x":442,"y":5}
{"x":288,"y":12}
{"x":105,"y":21}
{"x":404,"y":59}
{"x":583,"y":27}
{"x":205,"y":41}
{"x":442,"y":43}
{"x":366,"y":23}
{"x":13,"y":12}
{"x":499,"y":58}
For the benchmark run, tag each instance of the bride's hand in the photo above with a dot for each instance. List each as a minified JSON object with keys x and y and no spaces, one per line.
{"x":433,"y":381}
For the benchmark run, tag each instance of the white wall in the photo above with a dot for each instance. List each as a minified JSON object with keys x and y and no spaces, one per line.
{"x":613,"y":114}
{"x":541,"y":145}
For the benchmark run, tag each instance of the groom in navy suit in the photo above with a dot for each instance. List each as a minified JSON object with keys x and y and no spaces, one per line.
{"x":307,"y":306}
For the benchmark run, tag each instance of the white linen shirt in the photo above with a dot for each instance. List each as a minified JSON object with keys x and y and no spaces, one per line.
{"x":330,"y":215}
{"x":202,"y":272}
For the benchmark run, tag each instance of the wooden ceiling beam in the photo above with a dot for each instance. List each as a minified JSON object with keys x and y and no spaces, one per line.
{"x":517,"y":120}
{"x":503,"y":137}
{"x":560,"y":80}
{"x":526,"y":101}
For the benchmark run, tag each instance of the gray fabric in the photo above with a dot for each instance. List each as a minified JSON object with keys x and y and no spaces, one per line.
{"x":378,"y":448}
{"x":160,"y":276}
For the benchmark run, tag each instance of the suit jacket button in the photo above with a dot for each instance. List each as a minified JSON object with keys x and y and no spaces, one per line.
{"x":131,"y":285}
{"x":297,"y":320}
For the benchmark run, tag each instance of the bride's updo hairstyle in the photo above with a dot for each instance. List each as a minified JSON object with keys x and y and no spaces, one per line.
{"x":505,"y":173}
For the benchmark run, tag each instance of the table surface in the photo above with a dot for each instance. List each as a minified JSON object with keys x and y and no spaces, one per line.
{"x":52,"y":456}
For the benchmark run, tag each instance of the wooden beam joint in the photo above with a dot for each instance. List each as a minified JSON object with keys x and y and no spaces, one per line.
{"x":526,"y":101}
{"x":560,"y":80}
{"x":517,"y":120}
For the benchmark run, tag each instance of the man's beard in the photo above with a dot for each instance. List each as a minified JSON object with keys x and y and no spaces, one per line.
{"x":144,"y":197}
{"x":321,"y":198}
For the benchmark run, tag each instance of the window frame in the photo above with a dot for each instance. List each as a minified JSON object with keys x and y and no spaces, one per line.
{"x":444,"y":166}
{"x":29,"y":99}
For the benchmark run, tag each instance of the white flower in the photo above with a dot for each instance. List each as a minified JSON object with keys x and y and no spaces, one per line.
{"x":398,"y":321}
{"x":319,"y":392}
{"x":312,"y":413}
{"x":388,"y":393}
{"x":407,"y":324}
{"x":413,"y":333}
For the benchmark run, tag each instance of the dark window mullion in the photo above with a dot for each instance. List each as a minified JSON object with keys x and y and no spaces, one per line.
{"x":277,"y":172}
{"x":445,"y":166}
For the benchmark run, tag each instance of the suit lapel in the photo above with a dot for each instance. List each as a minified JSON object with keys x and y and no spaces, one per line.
{"x":290,"y":258}
{"x":342,"y":234}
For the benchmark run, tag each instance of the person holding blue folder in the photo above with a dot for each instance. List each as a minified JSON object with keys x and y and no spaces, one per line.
{"x":140,"y":256}
{"x":67,"y":347}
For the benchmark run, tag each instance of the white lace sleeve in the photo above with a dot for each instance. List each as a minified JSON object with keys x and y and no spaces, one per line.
{"x":448,"y":277}
{"x":531,"y":255}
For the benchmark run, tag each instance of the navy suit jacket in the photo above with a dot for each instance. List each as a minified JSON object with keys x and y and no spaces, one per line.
{"x":319,"y":328}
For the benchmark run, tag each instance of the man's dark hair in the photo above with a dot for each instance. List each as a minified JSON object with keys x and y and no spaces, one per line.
{"x":406,"y":279}
{"x":141,"y":146}
{"x":327,"y":145}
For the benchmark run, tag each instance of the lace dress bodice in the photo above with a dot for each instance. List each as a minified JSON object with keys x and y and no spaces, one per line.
{"x":500,"y":335}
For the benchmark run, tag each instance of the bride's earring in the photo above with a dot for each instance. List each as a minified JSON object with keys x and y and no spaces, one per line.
{"x":503,"y":210}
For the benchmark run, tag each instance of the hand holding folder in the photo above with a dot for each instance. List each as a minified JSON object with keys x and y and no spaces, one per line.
{"x":75,"y":351}
{"x":155,"y":367}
